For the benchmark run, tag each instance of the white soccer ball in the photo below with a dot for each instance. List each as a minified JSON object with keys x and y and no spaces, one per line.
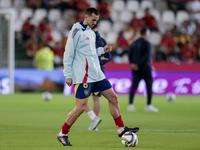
{"x":129,"y":139}
{"x":46,"y":96}
{"x":170,"y":96}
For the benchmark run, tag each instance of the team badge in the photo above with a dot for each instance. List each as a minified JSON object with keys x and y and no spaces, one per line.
{"x":86,"y":92}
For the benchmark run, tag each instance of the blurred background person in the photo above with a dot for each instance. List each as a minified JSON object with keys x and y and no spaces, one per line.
{"x":169,"y":41}
{"x":140,"y":59}
{"x":27,"y":30}
{"x":104,"y":9}
{"x":44,"y":58}
{"x":136,"y":23}
{"x":161,"y":53}
{"x":150,"y":21}
{"x":189,"y":52}
{"x":121,"y":47}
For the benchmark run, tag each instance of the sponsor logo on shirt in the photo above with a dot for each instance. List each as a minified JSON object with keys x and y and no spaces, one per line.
{"x":87,"y":38}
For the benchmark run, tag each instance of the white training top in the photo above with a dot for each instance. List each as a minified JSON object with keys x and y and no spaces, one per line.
{"x":80,"y":60}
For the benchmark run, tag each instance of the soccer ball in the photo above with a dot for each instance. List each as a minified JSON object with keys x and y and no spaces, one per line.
{"x":46,"y":96}
{"x":129,"y":139}
{"x":170,"y":96}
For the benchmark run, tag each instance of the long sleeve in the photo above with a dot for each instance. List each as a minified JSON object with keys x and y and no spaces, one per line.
{"x":130,"y":53}
{"x":69,"y":54}
{"x":100,"y":51}
{"x":100,"y":43}
{"x":108,"y":56}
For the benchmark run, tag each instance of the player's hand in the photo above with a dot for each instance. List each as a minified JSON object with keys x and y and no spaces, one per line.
{"x":68,"y":81}
{"x":107,"y":48}
{"x":103,"y":58}
{"x":134,"y":66}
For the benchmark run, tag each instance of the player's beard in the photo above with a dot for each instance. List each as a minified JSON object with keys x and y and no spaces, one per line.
{"x":92,"y":26}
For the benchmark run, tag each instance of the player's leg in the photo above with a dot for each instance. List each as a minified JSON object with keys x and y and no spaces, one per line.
{"x":82,"y":92}
{"x":135,"y":81}
{"x":115,"y":112}
{"x":95,"y":120}
{"x":147,"y":76}
{"x":80,"y":107}
{"x":97,"y":104}
{"x":90,"y":112}
{"x":111,"y":96}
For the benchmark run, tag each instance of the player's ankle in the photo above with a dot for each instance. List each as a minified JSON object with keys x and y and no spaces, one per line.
{"x":61,"y":134}
{"x":119,"y":131}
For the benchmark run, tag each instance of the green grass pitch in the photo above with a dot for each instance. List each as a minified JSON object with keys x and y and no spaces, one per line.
{"x":29,"y":123}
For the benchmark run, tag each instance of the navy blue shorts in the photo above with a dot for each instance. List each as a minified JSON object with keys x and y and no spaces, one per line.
{"x":84,"y":90}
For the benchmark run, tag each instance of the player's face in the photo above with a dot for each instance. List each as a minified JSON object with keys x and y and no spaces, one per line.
{"x":92,"y":20}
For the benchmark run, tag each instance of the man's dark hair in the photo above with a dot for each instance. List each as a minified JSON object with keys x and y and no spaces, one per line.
{"x":90,"y":11}
{"x":143,"y":31}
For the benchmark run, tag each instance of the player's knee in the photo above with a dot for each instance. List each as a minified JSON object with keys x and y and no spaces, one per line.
{"x":81,"y":108}
{"x":114,"y":99}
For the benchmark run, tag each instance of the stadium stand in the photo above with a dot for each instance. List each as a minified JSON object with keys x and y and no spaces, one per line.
{"x":118,"y":5}
{"x":62,"y":18}
{"x":39,"y":14}
{"x":6,"y":4}
{"x":25,"y":13}
{"x":132,"y":5}
{"x":147,"y":4}
{"x":168,"y":16}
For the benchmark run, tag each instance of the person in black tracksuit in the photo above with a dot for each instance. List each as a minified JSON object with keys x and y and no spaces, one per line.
{"x":103,"y":59}
{"x":139,"y":58}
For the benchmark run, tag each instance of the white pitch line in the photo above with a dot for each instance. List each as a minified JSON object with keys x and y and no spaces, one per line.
{"x":106,"y":131}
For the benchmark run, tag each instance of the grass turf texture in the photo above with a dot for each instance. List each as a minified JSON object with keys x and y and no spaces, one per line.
{"x":29,"y":123}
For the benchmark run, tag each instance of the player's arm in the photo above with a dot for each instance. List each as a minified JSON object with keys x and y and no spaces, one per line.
{"x":100,"y":51}
{"x":107,"y":58}
{"x":105,"y":49}
{"x":69,"y":56}
{"x":131,"y":54}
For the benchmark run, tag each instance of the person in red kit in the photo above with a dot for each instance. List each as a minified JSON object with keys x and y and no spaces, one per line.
{"x":104,"y":9}
{"x":27,"y":30}
{"x":82,"y":5}
{"x":135,"y":22}
{"x":189,"y":52}
{"x":149,"y":21}
{"x":172,"y":51}
{"x":168,"y":40}
{"x":122,"y":44}
{"x":45,"y":31}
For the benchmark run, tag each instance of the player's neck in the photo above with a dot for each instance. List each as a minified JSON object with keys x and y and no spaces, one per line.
{"x":143,"y":37}
{"x":84,"y":22}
